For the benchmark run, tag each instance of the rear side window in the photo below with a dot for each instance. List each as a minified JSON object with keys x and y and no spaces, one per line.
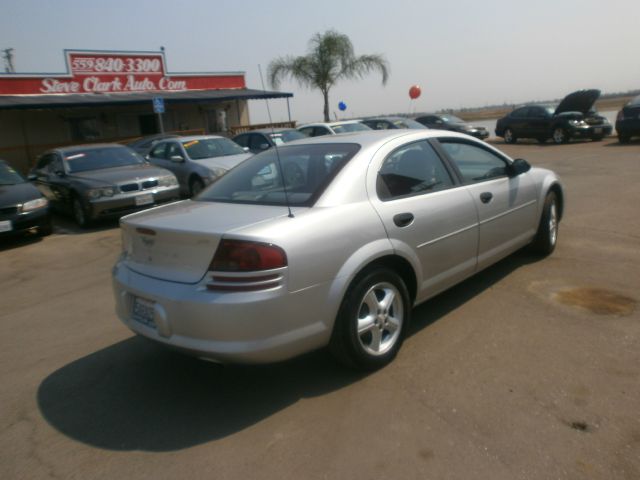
{"x":158,"y":151}
{"x":412,"y":170}
{"x":475,"y":163}
{"x":242,"y":140}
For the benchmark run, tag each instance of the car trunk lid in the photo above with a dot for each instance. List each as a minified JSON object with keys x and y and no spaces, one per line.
{"x":177,"y":242}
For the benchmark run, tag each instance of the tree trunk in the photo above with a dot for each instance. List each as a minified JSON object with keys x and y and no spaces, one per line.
{"x":325,"y":94}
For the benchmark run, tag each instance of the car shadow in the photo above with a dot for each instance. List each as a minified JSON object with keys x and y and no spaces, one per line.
{"x":136,"y":395}
{"x":631,"y":143}
{"x":63,"y":225}
{"x":19,"y":240}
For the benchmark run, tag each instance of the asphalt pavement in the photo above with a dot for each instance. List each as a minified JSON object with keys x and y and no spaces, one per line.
{"x":528,"y":370}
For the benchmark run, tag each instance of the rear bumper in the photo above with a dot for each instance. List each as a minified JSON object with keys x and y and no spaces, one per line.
{"x":480,"y":134}
{"x":124,"y":204}
{"x":628,"y":126}
{"x":244,"y":327}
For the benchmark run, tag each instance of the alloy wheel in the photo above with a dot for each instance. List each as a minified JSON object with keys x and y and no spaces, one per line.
{"x":380,"y":318}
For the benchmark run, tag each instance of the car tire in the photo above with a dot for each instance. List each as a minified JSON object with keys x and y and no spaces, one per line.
{"x":196,"y":185}
{"x":559,"y":136}
{"x":80,"y":214}
{"x":45,"y":229}
{"x":624,"y":138}
{"x":508,"y":136}
{"x":372,"y":320}
{"x":547,"y":235}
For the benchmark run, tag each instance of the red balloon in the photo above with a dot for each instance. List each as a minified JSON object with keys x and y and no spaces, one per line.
{"x":414,"y":92}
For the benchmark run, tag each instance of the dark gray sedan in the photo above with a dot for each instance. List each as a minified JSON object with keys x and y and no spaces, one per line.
{"x":98,"y":181}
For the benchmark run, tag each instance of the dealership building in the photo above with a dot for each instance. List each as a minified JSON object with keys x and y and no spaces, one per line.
{"x":109,"y":96}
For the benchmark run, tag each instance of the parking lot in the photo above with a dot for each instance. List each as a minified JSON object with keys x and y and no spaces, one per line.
{"x":529,"y":370}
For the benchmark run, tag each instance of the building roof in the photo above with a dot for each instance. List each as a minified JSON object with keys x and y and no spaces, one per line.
{"x":21,"y":102}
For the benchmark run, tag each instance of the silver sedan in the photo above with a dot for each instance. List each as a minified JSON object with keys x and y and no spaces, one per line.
{"x":328,"y":241}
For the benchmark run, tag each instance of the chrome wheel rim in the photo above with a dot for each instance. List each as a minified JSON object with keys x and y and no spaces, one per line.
{"x":558,"y":135}
{"x":380,"y":318}
{"x":508,"y":136}
{"x":553,"y":224}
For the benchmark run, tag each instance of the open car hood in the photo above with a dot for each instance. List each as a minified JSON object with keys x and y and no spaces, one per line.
{"x":580,"y":101}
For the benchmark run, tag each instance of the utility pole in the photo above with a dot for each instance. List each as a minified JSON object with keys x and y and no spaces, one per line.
{"x":7,"y":54}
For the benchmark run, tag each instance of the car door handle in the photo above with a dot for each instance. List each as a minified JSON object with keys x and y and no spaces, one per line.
{"x":403,"y":219}
{"x":486,"y":197}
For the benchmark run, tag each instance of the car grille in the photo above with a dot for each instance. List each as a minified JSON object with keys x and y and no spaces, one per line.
{"x":594,"y":121}
{"x":9,"y":210}
{"x":143,"y":185}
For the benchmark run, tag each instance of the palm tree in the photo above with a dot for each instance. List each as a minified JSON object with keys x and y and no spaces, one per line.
{"x":330,"y":58}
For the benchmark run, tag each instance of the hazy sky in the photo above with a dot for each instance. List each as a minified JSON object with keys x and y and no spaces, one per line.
{"x":461,"y":53}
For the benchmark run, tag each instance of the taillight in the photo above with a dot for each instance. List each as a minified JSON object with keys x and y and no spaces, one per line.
{"x":245,"y":256}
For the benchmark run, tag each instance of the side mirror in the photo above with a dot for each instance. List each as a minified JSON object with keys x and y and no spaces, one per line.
{"x":518,"y":167}
{"x":177,"y":158}
{"x":263,"y":146}
{"x":32,"y":177}
{"x":246,"y":149}
{"x":60,"y":173}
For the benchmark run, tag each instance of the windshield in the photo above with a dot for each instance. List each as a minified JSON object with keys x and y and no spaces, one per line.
{"x":306,"y":170}
{"x":211,"y":147}
{"x":8,"y":176}
{"x":407,"y":123}
{"x":99,"y":158}
{"x":451,"y":119}
{"x":350,"y":127}
{"x":286,"y":136}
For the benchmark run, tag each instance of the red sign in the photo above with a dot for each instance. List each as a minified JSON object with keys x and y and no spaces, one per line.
{"x":116,"y":72}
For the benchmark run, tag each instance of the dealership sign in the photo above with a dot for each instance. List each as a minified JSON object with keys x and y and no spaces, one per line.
{"x":115,"y":72}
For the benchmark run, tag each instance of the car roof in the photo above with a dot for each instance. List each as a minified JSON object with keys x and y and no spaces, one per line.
{"x":191,"y":138}
{"x":87,"y":146}
{"x":330,"y":124}
{"x":373,"y":137}
{"x":269,"y":130}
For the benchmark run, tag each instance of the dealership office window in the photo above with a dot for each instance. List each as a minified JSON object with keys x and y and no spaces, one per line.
{"x":84,"y":129}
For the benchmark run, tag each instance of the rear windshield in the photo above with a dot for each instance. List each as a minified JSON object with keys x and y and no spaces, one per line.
{"x":306,"y":171}
{"x":99,"y":158}
{"x":211,"y":147}
{"x":350,"y":127}
{"x":8,"y":176}
{"x":286,"y":136}
{"x":407,"y":123}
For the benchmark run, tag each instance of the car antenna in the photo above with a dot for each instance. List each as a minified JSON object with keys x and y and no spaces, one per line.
{"x":275,"y":146}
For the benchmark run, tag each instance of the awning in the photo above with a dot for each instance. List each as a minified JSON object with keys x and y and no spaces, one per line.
{"x":17,"y":102}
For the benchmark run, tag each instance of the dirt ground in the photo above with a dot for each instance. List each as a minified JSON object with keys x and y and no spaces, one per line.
{"x":529,"y":370}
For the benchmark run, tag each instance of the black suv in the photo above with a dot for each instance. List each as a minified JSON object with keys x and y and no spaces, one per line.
{"x":628,"y":121}
{"x":574,"y":117}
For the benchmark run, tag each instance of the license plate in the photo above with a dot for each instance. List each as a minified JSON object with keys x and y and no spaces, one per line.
{"x":597,"y":130}
{"x":6,"y":226}
{"x":143,"y":312}
{"x":144,"y":199}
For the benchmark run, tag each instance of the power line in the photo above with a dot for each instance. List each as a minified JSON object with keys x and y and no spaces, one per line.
{"x":7,"y":55}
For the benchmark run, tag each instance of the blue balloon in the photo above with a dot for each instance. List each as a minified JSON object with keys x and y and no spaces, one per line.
{"x":342,"y":106}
